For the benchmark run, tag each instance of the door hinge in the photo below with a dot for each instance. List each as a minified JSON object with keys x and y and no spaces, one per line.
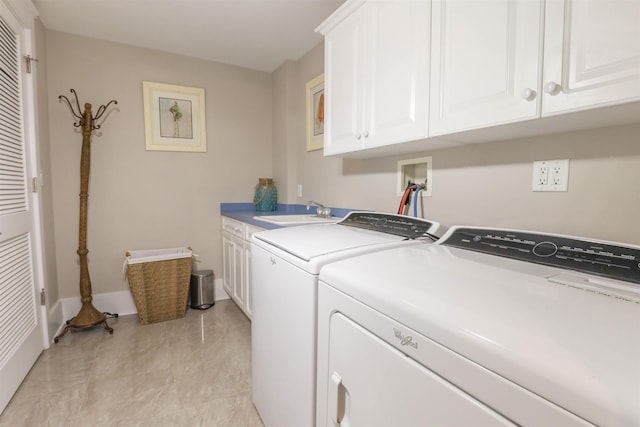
{"x":34,"y":184}
{"x":43,"y":297}
{"x":29,"y":59}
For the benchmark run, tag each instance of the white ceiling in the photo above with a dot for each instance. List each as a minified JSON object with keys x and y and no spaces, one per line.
{"x":256,"y":34}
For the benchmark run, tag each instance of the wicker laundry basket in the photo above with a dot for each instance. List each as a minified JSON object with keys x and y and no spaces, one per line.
{"x":159,"y":282}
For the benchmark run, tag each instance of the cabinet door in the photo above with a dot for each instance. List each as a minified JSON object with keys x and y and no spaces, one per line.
{"x":247,"y":280}
{"x":373,"y":384}
{"x":238,"y":272}
{"x":248,"y":302}
{"x":397,"y":72}
{"x":591,"y":55}
{"x":227,"y":263}
{"x":233,"y":268}
{"x":485,"y":60}
{"x":344,"y":74}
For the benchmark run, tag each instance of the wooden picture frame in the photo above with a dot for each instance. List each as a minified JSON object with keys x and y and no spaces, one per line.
{"x":174,"y":118}
{"x":315,"y":113}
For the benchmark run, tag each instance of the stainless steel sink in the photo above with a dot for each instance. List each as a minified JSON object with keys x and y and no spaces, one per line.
{"x":295,"y":219}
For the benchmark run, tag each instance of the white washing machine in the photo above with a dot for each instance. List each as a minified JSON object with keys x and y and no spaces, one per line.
{"x":285,"y":264}
{"x":485,"y":328}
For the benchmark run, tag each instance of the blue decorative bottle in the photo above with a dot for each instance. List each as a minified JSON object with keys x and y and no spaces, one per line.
{"x":266,"y":195}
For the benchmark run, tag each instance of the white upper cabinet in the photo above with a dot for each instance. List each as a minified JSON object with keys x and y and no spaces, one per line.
{"x":409,"y":75}
{"x":502,"y":61}
{"x":343,"y":82}
{"x":484,"y":63}
{"x":591,"y":54}
{"x":376,"y":74}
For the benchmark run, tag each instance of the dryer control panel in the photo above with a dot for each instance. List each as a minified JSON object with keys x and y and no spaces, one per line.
{"x":399,"y":225}
{"x":611,"y":260}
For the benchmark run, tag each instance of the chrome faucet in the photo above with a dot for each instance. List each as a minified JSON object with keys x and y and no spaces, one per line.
{"x":322,"y":211}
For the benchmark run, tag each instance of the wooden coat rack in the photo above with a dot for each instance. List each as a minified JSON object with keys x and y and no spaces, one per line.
{"x":88,"y":316}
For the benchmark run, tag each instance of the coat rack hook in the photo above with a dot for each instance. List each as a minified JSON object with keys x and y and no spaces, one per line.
{"x":86,"y":115}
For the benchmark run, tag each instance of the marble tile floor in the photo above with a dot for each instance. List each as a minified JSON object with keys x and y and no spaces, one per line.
{"x":194,"y":371}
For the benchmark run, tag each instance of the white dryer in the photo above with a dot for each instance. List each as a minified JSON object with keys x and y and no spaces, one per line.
{"x":285,"y":264}
{"x":487,"y":327}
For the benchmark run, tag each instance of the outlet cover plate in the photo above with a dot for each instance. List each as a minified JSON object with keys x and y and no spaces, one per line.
{"x":550,"y":175}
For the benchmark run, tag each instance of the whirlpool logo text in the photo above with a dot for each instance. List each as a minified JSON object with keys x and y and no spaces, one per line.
{"x":405,"y":340}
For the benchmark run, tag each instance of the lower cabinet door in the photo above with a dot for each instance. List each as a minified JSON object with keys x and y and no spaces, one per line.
{"x":238,"y":271}
{"x":233,"y":268}
{"x":247,"y":280}
{"x":227,"y":264}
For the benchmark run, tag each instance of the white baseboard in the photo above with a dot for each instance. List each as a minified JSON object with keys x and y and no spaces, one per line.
{"x":113,"y":302}
{"x":55,"y":322}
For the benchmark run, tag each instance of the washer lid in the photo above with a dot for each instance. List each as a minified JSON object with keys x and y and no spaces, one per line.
{"x":310,"y":241}
{"x":356,"y":230}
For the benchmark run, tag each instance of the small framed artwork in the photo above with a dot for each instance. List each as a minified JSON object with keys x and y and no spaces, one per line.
{"x":174,"y":118}
{"x":315,"y":113}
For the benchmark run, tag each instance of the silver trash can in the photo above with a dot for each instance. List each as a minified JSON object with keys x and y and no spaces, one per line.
{"x":201,"y":289}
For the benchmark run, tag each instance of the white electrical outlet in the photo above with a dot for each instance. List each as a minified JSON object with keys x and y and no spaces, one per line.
{"x":557,"y":175}
{"x":551,"y":175}
{"x":541,"y":174}
{"x":299,"y":190}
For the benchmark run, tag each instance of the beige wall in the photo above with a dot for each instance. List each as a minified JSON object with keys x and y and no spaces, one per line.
{"x":490,"y":184}
{"x":140,"y":199}
{"x":284,"y":130}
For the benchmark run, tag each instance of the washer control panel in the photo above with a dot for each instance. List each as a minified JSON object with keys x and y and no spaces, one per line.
{"x":602,"y":259}
{"x":398,"y":225}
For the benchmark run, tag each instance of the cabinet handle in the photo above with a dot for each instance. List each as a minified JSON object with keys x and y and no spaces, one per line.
{"x":358,"y":136}
{"x":552,"y":88}
{"x":366,"y":134}
{"x":529,"y":94}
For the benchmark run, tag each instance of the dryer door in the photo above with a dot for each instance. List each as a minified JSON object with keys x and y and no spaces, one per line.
{"x":373,"y":384}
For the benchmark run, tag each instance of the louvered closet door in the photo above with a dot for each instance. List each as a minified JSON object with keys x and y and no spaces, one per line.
{"x":20,"y":332}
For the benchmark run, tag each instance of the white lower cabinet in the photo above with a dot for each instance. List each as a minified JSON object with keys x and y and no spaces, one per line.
{"x":248,"y":232}
{"x":233,"y":267}
{"x":236,"y":261}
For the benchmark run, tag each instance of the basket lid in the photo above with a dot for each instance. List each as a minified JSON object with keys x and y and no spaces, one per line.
{"x":151,"y":255}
